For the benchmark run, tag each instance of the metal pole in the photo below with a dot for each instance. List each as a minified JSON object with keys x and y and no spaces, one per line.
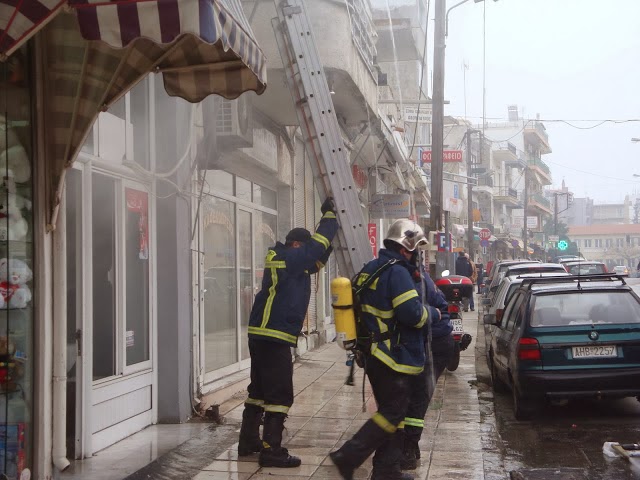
{"x":525,"y":233}
{"x":437,"y":126}
{"x":469,"y":199}
{"x":555,"y":213}
{"x":447,"y":229}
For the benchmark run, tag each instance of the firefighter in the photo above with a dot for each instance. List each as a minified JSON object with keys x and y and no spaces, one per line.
{"x":393,"y":317}
{"x":423,"y":386}
{"x":274,"y":325}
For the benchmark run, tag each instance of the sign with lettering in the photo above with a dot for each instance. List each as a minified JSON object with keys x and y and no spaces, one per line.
{"x":390,"y":206}
{"x":448,"y":156}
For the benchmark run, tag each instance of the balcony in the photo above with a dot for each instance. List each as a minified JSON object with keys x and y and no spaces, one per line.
{"x":345,"y":36}
{"x":399,"y":25}
{"x":541,"y":170}
{"x":507,"y":196}
{"x":485,"y":184}
{"x":540,"y":205}
{"x":536,"y":135}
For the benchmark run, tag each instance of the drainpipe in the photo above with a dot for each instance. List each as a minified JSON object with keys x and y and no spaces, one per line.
{"x":59,"y":449}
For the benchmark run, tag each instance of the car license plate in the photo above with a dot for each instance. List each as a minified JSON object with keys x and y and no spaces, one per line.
{"x":595,"y":351}
{"x":457,"y":325}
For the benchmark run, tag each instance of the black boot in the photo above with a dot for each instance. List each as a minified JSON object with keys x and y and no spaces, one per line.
{"x":273,"y":454}
{"x":354,"y":452}
{"x":250,"y":431}
{"x":410,"y":454}
{"x":387,"y":460}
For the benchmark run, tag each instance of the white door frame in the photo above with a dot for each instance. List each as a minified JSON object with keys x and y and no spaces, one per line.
{"x":127,"y":379}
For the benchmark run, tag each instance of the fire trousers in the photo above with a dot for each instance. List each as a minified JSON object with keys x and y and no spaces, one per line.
{"x":271,"y":384}
{"x":423,"y":386}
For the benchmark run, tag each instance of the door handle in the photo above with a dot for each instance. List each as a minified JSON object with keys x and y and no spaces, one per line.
{"x":78,"y":336}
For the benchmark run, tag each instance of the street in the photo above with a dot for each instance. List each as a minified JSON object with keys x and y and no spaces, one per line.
{"x":567,"y":438}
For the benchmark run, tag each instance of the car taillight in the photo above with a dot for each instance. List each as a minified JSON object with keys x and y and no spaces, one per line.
{"x":606,"y":270}
{"x":453,"y":308}
{"x":499,"y":313}
{"x":529,"y":349}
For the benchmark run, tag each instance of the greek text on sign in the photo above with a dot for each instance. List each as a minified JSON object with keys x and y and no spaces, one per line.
{"x":411,"y":115}
{"x":390,"y":206}
{"x":448,"y":156}
{"x":373,"y":238}
{"x":554,"y":238}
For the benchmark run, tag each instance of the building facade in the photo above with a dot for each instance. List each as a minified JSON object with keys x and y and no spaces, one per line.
{"x":613,"y":244}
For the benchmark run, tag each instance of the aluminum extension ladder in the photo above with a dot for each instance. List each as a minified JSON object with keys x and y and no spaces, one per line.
{"x":321,"y":132}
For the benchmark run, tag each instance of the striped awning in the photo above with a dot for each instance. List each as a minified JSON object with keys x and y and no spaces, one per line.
{"x":95,"y":51}
{"x":207,"y":45}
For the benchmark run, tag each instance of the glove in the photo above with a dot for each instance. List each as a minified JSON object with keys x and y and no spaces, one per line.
{"x":328,"y":206}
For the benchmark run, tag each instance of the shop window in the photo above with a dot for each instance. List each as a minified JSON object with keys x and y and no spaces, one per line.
{"x":220,"y":181}
{"x":243,"y":189}
{"x":16,"y":267}
{"x":220,"y":312}
{"x":265,"y":197}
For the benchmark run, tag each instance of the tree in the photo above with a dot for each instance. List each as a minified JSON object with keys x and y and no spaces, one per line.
{"x":548,"y":228}
{"x":629,"y":253}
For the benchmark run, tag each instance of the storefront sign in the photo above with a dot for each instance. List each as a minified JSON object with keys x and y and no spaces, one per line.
{"x":448,"y":156}
{"x":373,"y":239}
{"x":411,"y":114}
{"x":390,"y":206}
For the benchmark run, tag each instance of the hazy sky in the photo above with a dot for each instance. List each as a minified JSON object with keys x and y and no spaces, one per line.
{"x":566,"y":60}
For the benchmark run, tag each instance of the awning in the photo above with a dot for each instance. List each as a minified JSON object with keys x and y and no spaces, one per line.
{"x":97,"y":54}
{"x":218,"y":27}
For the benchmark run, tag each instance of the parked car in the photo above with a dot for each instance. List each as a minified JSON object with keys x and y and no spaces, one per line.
{"x":621,"y":270}
{"x":498,"y":272}
{"x":584,"y":267}
{"x":562,"y":258}
{"x":561,"y":338}
{"x":507,"y":288}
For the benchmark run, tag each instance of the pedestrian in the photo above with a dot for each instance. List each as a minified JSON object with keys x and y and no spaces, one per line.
{"x":474,"y":278}
{"x":480,"y":267}
{"x":274,"y":325}
{"x":423,"y":386}
{"x":463,"y":268}
{"x":392,"y":319}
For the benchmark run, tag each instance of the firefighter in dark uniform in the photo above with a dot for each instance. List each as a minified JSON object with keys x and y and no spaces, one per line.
{"x":423,"y":386}
{"x":274,"y":325}
{"x":394,"y":319}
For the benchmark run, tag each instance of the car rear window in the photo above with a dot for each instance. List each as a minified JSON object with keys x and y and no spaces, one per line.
{"x":585,"y":269}
{"x":587,"y":307}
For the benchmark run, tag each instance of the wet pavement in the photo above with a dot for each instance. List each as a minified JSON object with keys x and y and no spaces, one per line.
{"x":563,"y":442}
{"x":459,"y":441}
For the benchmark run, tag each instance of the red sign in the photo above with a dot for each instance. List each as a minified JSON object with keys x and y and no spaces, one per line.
{"x":448,"y":156}
{"x":485,"y":234}
{"x":373,"y":239}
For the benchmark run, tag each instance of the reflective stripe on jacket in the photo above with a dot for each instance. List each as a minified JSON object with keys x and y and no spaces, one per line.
{"x":392,"y":304}
{"x":281,"y":305}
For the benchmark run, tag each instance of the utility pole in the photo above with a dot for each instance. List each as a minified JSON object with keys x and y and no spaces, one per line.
{"x":555,"y":213}
{"x":437,"y":127}
{"x":525,"y":232}
{"x":469,"y":199}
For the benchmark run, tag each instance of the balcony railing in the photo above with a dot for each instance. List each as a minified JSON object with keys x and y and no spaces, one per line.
{"x":363,"y":31}
{"x":543,"y":132}
{"x":540,"y":200}
{"x":512,"y":148}
{"x":540,"y":164}
{"x":507,"y":192}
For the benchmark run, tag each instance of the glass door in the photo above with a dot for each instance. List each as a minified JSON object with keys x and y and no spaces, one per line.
{"x":245,"y":272}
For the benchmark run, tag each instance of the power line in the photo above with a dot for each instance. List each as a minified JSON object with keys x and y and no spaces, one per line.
{"x":594,"y":174}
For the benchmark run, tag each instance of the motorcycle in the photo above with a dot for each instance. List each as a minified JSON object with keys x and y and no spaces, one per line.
{"x":457,"y":291}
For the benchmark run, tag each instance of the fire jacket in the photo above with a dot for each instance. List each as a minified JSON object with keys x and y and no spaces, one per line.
{"x":281,"y":305}
{"x":393,"y":315}
{"x":436,"y":299}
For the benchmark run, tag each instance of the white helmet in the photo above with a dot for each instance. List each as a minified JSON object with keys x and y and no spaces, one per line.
{"x":407,"y":233}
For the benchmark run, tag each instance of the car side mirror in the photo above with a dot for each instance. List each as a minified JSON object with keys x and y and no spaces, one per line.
{"x":489,"y":319}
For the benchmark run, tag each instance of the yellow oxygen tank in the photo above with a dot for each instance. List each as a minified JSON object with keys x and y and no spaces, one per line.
{"x":342,"y":303}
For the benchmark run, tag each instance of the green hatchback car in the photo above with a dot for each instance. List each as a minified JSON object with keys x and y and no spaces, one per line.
{"x":567,"y":337}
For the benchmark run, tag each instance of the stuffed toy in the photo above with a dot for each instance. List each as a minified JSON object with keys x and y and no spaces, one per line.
{"x":8,"y":137}
{"x":7,"y":347}
{"x":13,"y":226}
{"x":16,"y":160}
{"x":14,"y":275}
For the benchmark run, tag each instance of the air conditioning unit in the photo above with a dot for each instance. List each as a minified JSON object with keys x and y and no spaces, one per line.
{"x":234,"y":123}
